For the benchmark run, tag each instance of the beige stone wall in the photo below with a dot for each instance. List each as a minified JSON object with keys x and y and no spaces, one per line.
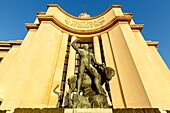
{"x":42,"y":57}
{"x":32,"y":69}
{"x":11,"y":89}
{"x":153,"y":72}
{"x":4,"y":65}
{"x":133,"y":91}
{"x":5,"y":46}
{"x":117,"y":99}
{"x":57,"y":80}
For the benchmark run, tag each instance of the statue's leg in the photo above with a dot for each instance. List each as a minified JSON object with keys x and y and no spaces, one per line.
{"x":82,"y":68}
{"x":108,"y":90}
{"x":97,"y":79}
{"x":98,"y":86}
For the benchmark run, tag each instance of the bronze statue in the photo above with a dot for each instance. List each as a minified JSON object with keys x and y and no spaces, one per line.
{"x":89,"y":82}
{"x":86,"y":63}
{"x":90,"y":99}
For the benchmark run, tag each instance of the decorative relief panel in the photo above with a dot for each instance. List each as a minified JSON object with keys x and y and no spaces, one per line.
{"x":84,"y":24}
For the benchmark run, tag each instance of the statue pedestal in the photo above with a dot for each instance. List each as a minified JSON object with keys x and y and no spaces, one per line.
{"x":88,"y":110}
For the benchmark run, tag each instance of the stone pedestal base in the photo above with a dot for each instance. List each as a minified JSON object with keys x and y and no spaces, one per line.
{"x":85,"y":110}
{"x":88,"y":110}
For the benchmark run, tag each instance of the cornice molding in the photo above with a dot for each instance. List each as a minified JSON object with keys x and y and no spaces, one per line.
{"x":151,"y":43}
{"x":31,"y":26}
{"x":79,"y":18}
{"x":127,"y":13}
{"x":6,"y":45}
{"x":17,"y":42}
{"x":41,"y":13}
{"x":137,"y":27}
{"x":5,"y":48}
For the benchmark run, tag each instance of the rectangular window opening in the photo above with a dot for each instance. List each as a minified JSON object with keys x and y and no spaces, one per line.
{"x":0,"y":102}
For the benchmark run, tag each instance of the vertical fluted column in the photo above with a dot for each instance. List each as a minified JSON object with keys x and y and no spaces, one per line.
{"x":117,"y":99}
{"x":70,"y":68}
{"x":97,"y":52}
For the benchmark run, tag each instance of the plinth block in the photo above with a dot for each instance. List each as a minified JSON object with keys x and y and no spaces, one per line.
{"x":88,"y":110}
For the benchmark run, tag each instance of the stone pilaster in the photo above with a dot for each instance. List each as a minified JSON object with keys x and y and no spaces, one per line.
{"x":117,"y":96}
{"x":57,"y":80}
{"x":70,"y":68}
{"x":122,"y":44}
{"x":9,"y":73}
{"x":97,"y":52}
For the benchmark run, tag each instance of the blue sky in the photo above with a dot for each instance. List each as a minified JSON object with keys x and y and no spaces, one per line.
{"x":154,"y":14}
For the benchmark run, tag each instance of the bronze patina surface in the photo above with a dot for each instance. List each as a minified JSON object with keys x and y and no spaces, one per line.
{"x":88,"y":84}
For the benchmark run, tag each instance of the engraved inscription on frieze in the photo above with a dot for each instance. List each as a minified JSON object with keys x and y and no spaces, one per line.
{"x":85,"y":24}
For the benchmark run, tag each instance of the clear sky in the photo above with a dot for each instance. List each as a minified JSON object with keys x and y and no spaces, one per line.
{"x":154,"y":14}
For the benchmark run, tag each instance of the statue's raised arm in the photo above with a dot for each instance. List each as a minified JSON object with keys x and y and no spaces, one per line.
{"x":73,"y":44}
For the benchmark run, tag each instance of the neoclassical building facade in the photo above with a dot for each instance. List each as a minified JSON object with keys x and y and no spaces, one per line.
{"x":34,"y":71}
